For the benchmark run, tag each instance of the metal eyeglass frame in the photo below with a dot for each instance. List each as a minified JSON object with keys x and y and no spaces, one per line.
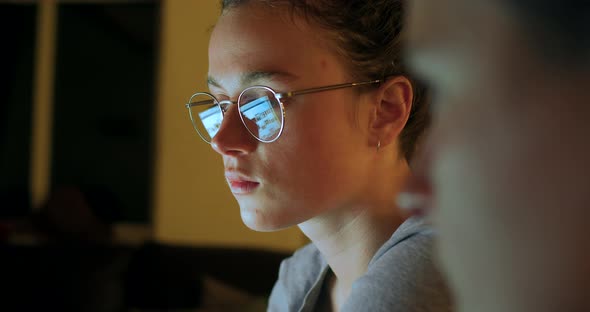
{"x":278,"y":97}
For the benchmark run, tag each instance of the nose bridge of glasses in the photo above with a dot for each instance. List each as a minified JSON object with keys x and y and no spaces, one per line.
{"x":226,"y":103}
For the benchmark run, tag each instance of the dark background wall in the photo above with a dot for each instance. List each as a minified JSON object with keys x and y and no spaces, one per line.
{"x":17,"y":37}
{"x":104,"y":102}
{"x":103,"y":122}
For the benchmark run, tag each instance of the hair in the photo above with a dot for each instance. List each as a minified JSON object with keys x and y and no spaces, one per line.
{"x":368,"y":37}
{"x":559,"y":30}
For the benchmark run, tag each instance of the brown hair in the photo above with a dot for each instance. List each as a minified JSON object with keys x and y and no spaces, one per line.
{"x":367,"y":34}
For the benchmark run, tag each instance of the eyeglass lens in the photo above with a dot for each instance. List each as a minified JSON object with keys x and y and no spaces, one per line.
{"x":260,"y":111}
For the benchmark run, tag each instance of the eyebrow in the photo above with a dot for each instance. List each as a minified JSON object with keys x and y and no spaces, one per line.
{"x":250,"y":78}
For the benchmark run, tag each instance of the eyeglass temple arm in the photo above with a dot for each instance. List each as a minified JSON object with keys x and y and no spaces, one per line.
{"x":327,"y":88}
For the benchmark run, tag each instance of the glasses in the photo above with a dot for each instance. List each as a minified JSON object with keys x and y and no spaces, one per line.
{"x":261,"y":110}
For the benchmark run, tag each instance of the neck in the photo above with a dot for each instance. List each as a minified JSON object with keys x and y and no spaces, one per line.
{"x":353,"y":241}
{"x":348,"y":237}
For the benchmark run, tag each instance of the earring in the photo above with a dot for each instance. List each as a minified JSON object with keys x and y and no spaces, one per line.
{"x":378,"y":145}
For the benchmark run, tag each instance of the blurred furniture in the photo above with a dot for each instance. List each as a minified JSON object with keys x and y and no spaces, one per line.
{"x":152,"y":277}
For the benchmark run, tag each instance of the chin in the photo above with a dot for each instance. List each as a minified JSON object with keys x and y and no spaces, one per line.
{"x":259,"y":220}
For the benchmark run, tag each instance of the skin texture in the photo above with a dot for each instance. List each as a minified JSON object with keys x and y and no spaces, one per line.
{"x":324,"y":173}
{"x":505,"y":169}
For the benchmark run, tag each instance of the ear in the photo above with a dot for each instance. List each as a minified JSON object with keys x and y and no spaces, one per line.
{"x":393,"y":104}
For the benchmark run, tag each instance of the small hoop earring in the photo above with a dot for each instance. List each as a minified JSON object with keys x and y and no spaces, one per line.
{"x":378,"y":145}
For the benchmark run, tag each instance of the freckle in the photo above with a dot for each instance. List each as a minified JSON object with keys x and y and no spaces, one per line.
{"x":323,"y":64}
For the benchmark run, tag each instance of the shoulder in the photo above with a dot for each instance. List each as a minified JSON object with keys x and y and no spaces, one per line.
{"x":297,"y":276}
{"x":306,"y":259}
{"x":403,"y":275}
{"x":410,"y":247}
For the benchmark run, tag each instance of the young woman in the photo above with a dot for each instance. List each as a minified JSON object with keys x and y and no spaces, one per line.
{"x":315,"y":118}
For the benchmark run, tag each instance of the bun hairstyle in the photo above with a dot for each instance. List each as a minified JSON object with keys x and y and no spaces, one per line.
{"x":368,"y":37}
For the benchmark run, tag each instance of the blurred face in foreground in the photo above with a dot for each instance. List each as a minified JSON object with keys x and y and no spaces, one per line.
{"x":506,"y":170}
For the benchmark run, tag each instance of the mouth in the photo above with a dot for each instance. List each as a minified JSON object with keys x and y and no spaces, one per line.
{"x":240,"y":184}
{"x":414,"y":204}
{"x":239,"y":187}
{"x":417,"y":197}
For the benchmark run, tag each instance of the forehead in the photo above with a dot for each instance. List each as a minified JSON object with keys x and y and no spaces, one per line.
{"x":255,"y":38}
{"x":466,"y":35}
{"x":451,"y":20}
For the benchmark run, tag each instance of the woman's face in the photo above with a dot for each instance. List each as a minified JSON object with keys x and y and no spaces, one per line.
{"x":318,"y":164}
{"x":507,"y":158}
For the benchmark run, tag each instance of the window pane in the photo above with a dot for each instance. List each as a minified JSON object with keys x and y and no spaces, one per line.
{"x":104,"y":103}
{"x":17,"y":32}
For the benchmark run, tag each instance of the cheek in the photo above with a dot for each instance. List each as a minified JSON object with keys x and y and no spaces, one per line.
{"x":322,"y":127}
{"x":486,"y":154}
{"x":481,"y":168}
{"x":489,"y":134}
{"x":499,"y":180}
{"x":319,"y":147}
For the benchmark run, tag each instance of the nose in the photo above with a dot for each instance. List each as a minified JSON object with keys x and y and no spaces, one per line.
{"x":232,"y":138}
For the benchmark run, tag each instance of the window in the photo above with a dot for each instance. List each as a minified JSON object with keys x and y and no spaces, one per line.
{"x":102,"y":108}
{"x":17,"y":30}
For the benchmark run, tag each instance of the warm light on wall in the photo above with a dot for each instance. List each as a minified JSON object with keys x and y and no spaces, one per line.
{"x":43,"y":102}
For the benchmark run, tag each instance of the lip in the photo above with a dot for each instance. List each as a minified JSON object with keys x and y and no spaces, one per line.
{"x":414,"y":204}
{"x":417,"y":196}
{"x":239,"y":183}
